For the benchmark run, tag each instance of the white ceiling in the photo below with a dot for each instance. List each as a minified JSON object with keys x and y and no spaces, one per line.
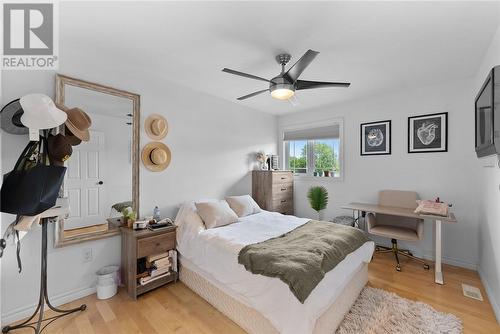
{"x":377,"y":46}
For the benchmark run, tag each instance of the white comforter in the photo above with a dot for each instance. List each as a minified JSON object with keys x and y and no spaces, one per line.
{"x":215,"y":252}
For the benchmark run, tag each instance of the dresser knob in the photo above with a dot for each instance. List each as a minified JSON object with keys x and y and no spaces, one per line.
{"x":283,"y":200}
{"x":283,"y":189}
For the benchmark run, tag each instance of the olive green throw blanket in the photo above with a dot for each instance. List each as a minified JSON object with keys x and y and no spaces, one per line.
{"x":303,"y":256}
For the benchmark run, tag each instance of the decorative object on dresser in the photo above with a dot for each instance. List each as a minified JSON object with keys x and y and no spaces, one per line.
{"x":156,"y":127}
{"x":149,"y":259}
{"x":261,"y":157}
{"x":273,"y":190}
{"x":375,"y":138}
{"x":318,"y":199}
{"x":156,"y":156}
{"x":274,"y":162}
{"x":428,"y":133}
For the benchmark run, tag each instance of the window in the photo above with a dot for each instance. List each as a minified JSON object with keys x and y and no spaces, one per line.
{"x":314,"y":151}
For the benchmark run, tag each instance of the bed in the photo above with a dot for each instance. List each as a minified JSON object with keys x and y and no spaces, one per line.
{"x":259,"y":304}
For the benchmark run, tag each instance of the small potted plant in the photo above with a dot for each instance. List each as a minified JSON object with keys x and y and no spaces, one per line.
{"x":129,"y":217}
{"x":318,"y":199}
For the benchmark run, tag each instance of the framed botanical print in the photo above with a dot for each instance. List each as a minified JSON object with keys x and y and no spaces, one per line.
{"x":428,"y":133}
{"x":376,"y":138}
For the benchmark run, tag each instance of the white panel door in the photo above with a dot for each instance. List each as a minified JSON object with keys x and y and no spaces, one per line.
{"x":84,"y":183}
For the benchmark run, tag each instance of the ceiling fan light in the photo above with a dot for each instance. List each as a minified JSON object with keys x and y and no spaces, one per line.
{"x":282,"y":93}
{"x":280,"y":89}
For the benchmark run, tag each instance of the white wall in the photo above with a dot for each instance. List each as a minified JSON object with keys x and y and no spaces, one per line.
{"x":450,"y":175}
{"x":212,"y":143}
{"x":489,"y":209}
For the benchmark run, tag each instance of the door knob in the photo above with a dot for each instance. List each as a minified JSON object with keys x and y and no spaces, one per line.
{"x":100,"y":183}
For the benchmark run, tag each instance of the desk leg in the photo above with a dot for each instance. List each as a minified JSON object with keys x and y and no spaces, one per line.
{"x":438,"y":278}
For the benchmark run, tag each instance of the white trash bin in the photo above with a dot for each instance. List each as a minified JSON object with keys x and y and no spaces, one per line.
{"x":107,"y":282}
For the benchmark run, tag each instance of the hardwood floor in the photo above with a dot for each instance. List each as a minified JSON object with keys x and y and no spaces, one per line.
{"x":176,"y":309}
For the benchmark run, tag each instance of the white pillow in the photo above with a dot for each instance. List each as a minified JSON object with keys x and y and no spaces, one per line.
{"x":243,"y":205}
{"x":189,"y":223}
{"x":216,"y":214}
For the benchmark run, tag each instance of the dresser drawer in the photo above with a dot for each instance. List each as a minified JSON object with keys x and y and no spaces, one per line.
{"x":280,"y":191}
{"x":156,"y":244}
{"x":282,"y":177}
{"x":282,"y":202}
{"x":285,"y":208}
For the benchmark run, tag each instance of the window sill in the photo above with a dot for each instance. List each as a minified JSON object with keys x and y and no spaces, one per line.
{"x":308,"y":178}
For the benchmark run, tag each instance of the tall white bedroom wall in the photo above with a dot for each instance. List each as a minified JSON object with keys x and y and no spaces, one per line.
{"x":213,"y":142}
{"x":489,"y":208}
{"x":450,"y":175}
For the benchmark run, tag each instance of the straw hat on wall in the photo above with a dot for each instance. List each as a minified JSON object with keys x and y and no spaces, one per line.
{"x":156,"y":156}
{"x":156,"y":126}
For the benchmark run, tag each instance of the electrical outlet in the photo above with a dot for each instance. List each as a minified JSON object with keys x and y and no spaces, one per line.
{"x":87,"y":255}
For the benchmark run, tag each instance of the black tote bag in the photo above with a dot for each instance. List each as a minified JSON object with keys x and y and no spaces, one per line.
{"x":33,"y":185}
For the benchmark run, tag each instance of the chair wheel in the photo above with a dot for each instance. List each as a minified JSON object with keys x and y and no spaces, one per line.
{"x":6,"y":329}
{"x":398,"y":268}
{"x":83,"y":307}
{"x":426,"y":267}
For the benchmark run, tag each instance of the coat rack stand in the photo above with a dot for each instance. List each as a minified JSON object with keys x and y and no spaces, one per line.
{"x":38,"y":325}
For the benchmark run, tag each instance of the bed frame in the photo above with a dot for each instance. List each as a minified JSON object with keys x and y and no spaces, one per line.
{"x":254,"y":322}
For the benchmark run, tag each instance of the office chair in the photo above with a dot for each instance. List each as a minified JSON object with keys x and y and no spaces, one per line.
{"x":394,"y":227}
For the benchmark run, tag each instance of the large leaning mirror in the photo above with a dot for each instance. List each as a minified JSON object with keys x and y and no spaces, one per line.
{"x":102,"y":176}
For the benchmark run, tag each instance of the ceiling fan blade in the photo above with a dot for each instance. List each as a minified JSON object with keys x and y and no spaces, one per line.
{"x":294,"y":101}
{"x":296,"y":70}
{"x":304,"y":84}
{"x":252,"y":94}
{"x":246,"y":75}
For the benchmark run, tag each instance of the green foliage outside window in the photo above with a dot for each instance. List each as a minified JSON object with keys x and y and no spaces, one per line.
{"x":324,"y":159}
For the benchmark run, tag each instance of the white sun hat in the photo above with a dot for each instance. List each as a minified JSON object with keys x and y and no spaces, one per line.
{"x":40,"y":112}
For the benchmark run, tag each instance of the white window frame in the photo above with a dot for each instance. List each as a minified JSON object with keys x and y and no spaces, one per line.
{"x":285,"y":149}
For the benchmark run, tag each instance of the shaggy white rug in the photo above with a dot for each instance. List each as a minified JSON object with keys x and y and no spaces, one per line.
{"x":380,"y":312}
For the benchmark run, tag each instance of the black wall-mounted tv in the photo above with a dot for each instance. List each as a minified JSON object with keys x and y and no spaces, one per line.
{"x":488,"y":115}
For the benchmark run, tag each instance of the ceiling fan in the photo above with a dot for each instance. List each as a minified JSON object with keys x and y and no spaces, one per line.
{"x":284,"y":85}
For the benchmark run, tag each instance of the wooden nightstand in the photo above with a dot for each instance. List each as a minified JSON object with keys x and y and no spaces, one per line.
{"x":139,"y":244}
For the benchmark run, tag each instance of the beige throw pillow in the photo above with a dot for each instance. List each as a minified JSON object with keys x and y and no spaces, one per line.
{"x":216,"y":214}
{"x":243,"y":205}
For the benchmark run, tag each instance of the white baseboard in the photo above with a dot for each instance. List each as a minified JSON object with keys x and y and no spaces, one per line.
{"x":25,"y":311}
{"x":429,"y":255}
{"x":452,"y":261}
{"x":489,"y":292}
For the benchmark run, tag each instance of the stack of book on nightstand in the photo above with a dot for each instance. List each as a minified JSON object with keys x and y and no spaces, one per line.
{"x":159,"y":266}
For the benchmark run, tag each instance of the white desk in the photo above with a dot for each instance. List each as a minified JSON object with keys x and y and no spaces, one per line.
{"x":402,"y":212}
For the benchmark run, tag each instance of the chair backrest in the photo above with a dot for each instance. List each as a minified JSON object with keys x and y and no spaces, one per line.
{"x":399,"y":199}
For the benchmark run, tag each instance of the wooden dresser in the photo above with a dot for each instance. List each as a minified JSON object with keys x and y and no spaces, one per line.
{"x":137,"y":244}
{"x":273,"y":190}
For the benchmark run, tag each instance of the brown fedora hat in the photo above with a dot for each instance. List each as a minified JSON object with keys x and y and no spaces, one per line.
{"x":78,"y":122}
{"x":156,"y":156}
{"x":59,"y":149}
{"x":71,"y":138}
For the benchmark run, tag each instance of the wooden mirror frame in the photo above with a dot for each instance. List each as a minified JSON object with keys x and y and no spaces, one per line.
{"x":61,"y":82}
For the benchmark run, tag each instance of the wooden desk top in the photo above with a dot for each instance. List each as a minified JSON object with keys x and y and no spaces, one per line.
{"x":394,"y":211}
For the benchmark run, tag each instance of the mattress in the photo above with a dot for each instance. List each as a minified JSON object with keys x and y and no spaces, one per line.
{"x":254,"y":322}
{"x":214,"y":253}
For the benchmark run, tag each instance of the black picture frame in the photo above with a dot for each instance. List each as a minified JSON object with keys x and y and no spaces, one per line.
{"x":381,"y":127}
{"x":434,"y":127}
